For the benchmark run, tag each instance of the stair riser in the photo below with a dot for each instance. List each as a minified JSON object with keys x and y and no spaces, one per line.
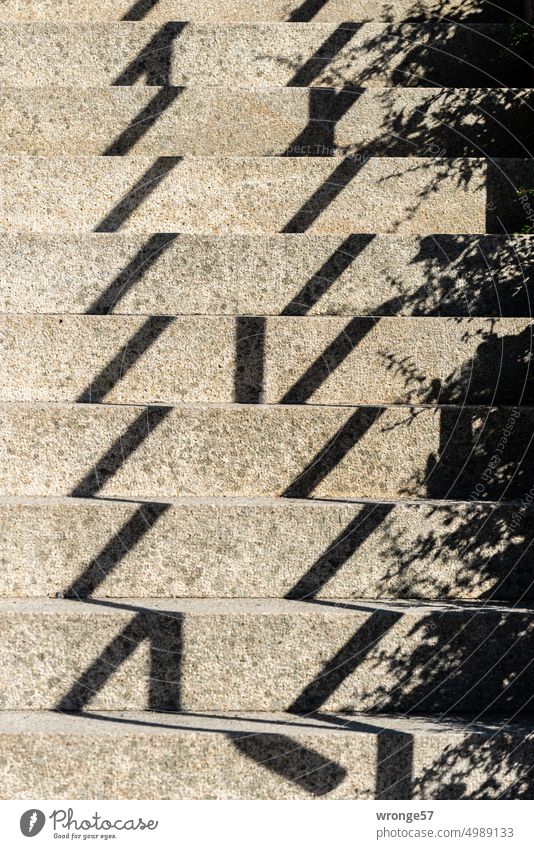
{"x":254,"y":451}
{"x":266,"y":656}
{"x":259,"y":55}
{"x":243,"y":275}
{"x":273,"y":549}
{"x":123,"y":359}
{"x":257,"y":10}
{"x":243,"y":758}
{"x":52,"y":121}
{"x":245,"y":195}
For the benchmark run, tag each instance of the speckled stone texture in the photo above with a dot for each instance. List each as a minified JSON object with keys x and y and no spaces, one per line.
{"x":265,"y":655}
{"x":323,"y":360}
{"x":295,"y":274}
{"x":217,"y":121}
{"x":251,"y":756}
{"x":247,"y":195}
{"x":260,"y":450}
{"x":257,"y":10}
{"x":257,"y":55}
{"x":271,"y":547}
{"x":266,"y":453}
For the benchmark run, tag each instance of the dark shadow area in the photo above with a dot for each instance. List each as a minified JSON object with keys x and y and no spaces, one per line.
{"x":332,"y":356}
{"x":344,"y":662}
{"x":306,"y":73}
{"x":163,"y":630}
{"x":249,"y":359}
{"x":333,"y":452}
{"x":429,"y":53}
{"x":154,"y":63}
{"x":326,"y":108}
{"x":299,"y":764}
{"x":307,"y":11}
{"x":370,"y":517}
{"x":138,"y":194}
{"x":132,"y":273}
{"x":467,"y":276}
{"x":126,"y":357}
{"x":128,"y":442}
{"x":139,"y":10}
{"x":510,"y":753}
{"x":394,"y":765}
{"x":461,"y":662}
{"x":318,"y":285}
{"x":118,"y":546}
{"x":143,"y":121}
{"x":324,"y":196}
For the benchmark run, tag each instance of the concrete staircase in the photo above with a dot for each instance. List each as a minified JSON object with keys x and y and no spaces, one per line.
{"x":267,"y":402}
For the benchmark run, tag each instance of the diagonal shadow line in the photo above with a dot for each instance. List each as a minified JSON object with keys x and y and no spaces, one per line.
{"x":163,"y":630}
{"x":329,"y":360}
{"x":117,"y":547}
{"x":333,"y":452}
{"x":343,"y":547}
{"x":326,"y":108}
{"x":145,"y":257}
{"x":138,"y":194}
{"x":336,"y":264}
{"x":126,"y":357}
{"x":95,"y":676}
{"x":322,"y":57}
{"x":155,"y":59}
{"x":344,"y":662}
{"x":308,"y":10}
{"x":324,"y":195}
{"x":139,"y":10}
{"x":128,"y":442}
{"x":143,"y":121}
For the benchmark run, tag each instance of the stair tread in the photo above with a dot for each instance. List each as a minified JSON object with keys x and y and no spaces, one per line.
{"x":205,"y":607}
{"x":133,"y":723}
{"x":248,"y":54}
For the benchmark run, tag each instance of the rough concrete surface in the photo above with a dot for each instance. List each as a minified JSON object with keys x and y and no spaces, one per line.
{"x":218,"y":121}
{"x":323,"y":360}
{"x":242,"y":195}
{"x":274,"y":547}
{"x":254,"y":10}
{"x":266,"y":655}
{"x":268,"y":756}
{"x":253,"y":55}
{"x":256,"y":450}
{"x":298,"y":274}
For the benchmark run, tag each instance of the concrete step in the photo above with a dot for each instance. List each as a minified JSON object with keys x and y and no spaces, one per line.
{"x":210,"y":121}
{"x":268,"y":756}
{"x":455,"y":452}
{"x":254,"y":55}
{"x":267,"y":655}
{"x":265,"y":547}
{"x":264,"y":275}
{"x":317,"y":359}
{"x":258,"y":195}
{"x":260,"y":10}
